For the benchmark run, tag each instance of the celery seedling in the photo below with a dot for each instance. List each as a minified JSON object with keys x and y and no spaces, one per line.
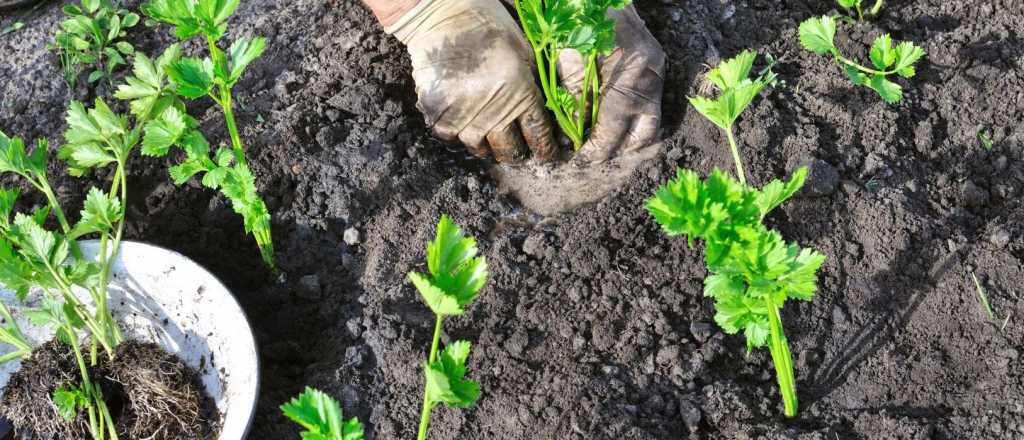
{"x":818,"y":35}
{"x":553,"y":25}
{"x":735,"y":93}
{"x":753,"y":271}
{"x":34,"y":257}
{"x":214,"y":77}
{"x":456,"y":276}
{"x":321,"y":417}
{"x":93,"y":36}
{"x":857,"y":5}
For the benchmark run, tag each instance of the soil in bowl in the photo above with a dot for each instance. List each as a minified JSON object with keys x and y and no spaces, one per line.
{"x":151,"y":395}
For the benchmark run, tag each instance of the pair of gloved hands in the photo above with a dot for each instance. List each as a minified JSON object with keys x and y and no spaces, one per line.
{"x":475,"y":79}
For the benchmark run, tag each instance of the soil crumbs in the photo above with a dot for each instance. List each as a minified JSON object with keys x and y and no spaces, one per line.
{"x":149,"y":392}
{"x":593,"y":325}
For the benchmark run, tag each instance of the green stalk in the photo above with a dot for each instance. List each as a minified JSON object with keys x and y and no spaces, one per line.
{"x":860,"y":13}
{"x":736,"y":155}
{"x":427,"y":407}
{"x":855,"y":65}
{"x":595,"y":88}
{"x":782,"y":359}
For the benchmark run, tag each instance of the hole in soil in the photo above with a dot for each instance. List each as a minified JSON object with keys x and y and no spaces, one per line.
{"x":548,"y":190}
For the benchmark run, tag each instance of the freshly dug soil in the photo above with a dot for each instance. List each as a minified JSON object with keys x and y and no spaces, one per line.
{"x":593,"y":325}
{"x":149,"y":392}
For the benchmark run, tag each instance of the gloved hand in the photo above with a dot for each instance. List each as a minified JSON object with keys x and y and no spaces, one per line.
{"x":631,"y":84}
{"x":474,"y":78}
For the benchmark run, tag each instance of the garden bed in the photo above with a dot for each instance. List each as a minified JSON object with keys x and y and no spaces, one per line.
{"x":593,"y":324}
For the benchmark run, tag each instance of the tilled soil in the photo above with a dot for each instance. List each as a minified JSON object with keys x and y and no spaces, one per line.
{"x":593,"y":325}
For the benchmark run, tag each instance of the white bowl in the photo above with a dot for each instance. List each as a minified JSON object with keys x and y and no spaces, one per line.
{"x":158,"y":295}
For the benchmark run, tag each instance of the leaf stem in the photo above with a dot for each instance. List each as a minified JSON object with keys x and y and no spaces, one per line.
{"x":427,"y":407}
{"x":736,"y":155}
{"x":782,"y":359}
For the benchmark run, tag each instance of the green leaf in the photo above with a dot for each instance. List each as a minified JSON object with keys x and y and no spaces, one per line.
{"x":192,"y":77}
{"x":818,"y":34}
{"x":99,"y":214}
{"x":457,"y":273}
{"x":888,"y":90}
{"x":96,"y":75}
{"x":321,"y":417}
{"x":182,"y":172}
{"x":446,"y":378}
{"x":776,"y":192}
{"x":163,"y":132}
{"x":69,"y":400}
{"x":178,"y":13}
{"x":847,"y":4}
{"x":14,"y":158}
{"x":882,"y":55}
{"x":907,"y":54}
{"x":36,"y":243}
{"x":130,"y":20}
{"x":243,"y":52}
{"x":729,"y":73}
{"x":856,"y":76}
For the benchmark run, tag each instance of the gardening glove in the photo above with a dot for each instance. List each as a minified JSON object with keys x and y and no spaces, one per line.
{"x":629,"y":112}
{"x":474,"y":78}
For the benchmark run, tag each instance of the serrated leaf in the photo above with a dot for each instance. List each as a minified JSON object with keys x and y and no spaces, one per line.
{"x":776,"y":192}
{"x":446,"y":378}
{"x":856,"y":76}
{"x":848,"y":3}
{"x":192,"y":77}
{"x":882,"y":55}
{"x":243,"y":52}
{"x":68,"y":401}
{"x":817,"y":34}
{"x":321,"y":417}
{"x":907,"y":54}
{"x":163,"y":132}
{"x":184,"y":171}
{"x":888,"y":90}
{"x":729,"y":73}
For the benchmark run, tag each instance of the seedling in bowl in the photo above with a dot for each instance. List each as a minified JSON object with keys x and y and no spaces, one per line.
{"x":93,"y":38}
{"x":817,"y":34}
{"x":555,"y":25}
{"x":456,"y":276}
{"x":214,"y":77}
{"x":321,"y":418}
{"x":33,"y":257}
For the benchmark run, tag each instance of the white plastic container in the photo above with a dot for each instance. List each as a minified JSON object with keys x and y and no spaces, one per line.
{"x":158,"y":295}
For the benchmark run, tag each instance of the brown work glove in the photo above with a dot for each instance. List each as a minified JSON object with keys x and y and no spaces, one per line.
{"x":632,"y":77}
{"x":474,"y":78}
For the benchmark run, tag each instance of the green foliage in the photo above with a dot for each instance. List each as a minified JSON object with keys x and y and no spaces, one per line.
{"x":321,"y":417}
{"x":753,"y":271}
{"x":818,"y":35}
{"x":553,"y":25}
{"x":148,"y":89}
{"x":93,"y":38}
{"x":457,"y":273}
{"x":220,"y":170}
{"x":446,"y":378}
{"x":69,"y":400}
{"x":213,"y":76}
{"x":456,"y":276}
{"x":735,"y":90}
{"x":858,"y":5}
{"x":35,"y":257}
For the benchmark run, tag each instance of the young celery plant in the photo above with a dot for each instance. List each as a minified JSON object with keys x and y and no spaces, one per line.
{"x":32,"y":256}
{"x":818,"y":35}
{"x":858,"y":6}
{"x":93,"y":36}
{"x":753,"y":271}
{"x":735,"y":92}
{"x":215,"y":77}
{"x":456,"y":276}
{"x":554,"y":25}
{"x":321,"y":417}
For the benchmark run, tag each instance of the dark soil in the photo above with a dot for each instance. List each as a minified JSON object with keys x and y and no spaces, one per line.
{"x":593,"y":325}
{"x":150,"y":395}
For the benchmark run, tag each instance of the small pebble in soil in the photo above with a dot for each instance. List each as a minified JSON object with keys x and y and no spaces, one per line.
{"x":999,"y":237}
{"x":701,"y":331}
{"x":351,"y":236}
{"x":309,"y":286}
{"x":690,"y":414}
{"x":973,"y":196}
